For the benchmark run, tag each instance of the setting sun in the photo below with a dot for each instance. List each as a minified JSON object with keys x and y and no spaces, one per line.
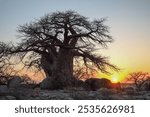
{"x":115,"y":79}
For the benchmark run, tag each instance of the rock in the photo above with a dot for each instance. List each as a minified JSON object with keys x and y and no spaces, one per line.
{"x":147,"y":96}
{"x":140,"y":97}
{"x":130,"y":91}
{"x":4,"y":90}
{"x":127,"y":97}
{"x":2,"y":98}
{"x":92,"y":93}
{"x":10,"y":97}
{"x":36,"y":98}
{"x":54,"y":95}
{"x":105,"y":91}
{"x":78,"y":83}
{"x":116,"y":97}
{"x":80,"y":95}
{"x":128,"y":88}
{"x":46,"y":84}
{"x":96,"y":83}
{"x":15,"y":82}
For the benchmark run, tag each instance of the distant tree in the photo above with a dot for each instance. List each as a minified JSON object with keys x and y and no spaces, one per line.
{"x":5,"y":68}
{"x":147,"y":84}
{"x":138,"y":78}
{"x":54,"y":41}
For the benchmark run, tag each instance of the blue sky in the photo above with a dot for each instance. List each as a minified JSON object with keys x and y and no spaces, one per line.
{"x":121,"y":13}
{"x":129,"y":22}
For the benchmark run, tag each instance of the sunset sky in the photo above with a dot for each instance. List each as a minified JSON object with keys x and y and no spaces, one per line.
{"x":129,"y":22}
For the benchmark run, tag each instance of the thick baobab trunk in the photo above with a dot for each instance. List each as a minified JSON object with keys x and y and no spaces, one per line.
{"x":64,"y":68}
{"x":58,"y":70}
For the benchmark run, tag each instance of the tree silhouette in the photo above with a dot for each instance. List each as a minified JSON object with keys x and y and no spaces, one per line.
{"x":6,"y":70}
{"x":139,"y":79}
{"x":56,"y":40}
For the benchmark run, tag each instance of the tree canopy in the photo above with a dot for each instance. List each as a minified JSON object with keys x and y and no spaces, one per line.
{"x":57,"y":41}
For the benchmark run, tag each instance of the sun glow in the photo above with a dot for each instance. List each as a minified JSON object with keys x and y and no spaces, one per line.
{"x":115,"y":79}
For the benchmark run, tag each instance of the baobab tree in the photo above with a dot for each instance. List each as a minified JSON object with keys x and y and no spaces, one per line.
{"x":56,"y":40}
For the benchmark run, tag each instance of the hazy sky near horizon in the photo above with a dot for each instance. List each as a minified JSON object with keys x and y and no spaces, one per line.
{"x":129,"y":22}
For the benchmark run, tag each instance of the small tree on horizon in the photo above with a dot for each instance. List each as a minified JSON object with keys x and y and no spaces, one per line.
{"x":139,"y":79}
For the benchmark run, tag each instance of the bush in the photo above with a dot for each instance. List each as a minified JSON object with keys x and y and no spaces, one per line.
{"x":147,"y":85}
{"x":96,"y":83}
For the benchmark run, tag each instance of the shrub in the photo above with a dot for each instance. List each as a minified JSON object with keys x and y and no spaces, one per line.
{"x":96,"y":83}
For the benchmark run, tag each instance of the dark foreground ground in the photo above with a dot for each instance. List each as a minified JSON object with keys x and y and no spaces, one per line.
{"x":72,"y":94}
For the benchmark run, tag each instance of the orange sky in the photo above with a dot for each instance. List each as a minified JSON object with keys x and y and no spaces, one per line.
{"x":131,"y":56}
